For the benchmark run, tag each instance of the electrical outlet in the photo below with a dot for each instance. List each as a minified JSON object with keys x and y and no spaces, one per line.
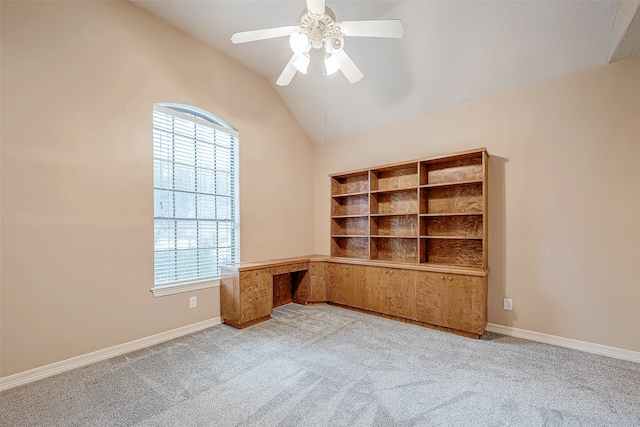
{"x":193,"y":302}
{"x":508,"y":304}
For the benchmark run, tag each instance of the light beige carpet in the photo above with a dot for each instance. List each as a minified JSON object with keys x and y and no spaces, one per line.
{"x":324,"y":366}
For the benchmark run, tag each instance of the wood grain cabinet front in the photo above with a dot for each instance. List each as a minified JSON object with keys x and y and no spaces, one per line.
{"x":390,"y":291}
{"x":317,"y":282}
{"x":254,"y":304}
{"x":255,"y":294}
{"x":402,"y":293}
{"x":335,"y":290}
{"x":345,"y":284}
{"x":376,"y":288}
{"x":452,"y":300}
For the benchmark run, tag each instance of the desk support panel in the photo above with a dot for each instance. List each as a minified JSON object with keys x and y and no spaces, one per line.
{"x":248,"y":294}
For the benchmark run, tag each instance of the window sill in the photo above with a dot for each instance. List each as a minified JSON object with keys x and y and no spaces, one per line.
{"x":178,"y":288}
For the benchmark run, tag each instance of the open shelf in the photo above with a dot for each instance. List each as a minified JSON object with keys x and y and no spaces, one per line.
{"x":352,"y":205}
{"x":391,"y":214}
{"x":394,"y":225}
{"x":394,"y":177}
{"x":394,"y":190}
{"x":429,"y":211}
{"x":465,"y":268}
{"x":350,"y":247}
{"x":441,"y":171}
{"x":457,"y":199}
{"x":449,"y":214}
{"x":462,"y":226}
{"x":352,"y":183}
{"x":458,"y":252}
{"x":403,"y":202}
{"x":398,"y":249}
{"x":361,"y":193}
{"x":450,"y":184}
{"x":356,"y":226}
{"x":451,"y":237}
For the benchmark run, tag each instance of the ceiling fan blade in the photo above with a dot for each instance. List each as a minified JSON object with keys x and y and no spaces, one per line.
{"x":269,"y":33}
{"x":288,"y":72}
{"x":316,"y":7}
{"x":391,"y":28}
{"x":349,"y":68}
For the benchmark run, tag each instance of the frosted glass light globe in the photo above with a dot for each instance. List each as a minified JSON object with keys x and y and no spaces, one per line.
{"x":298,"y":42}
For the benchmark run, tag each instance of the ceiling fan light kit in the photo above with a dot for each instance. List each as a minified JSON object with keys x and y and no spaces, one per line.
{"x":318,"y":29}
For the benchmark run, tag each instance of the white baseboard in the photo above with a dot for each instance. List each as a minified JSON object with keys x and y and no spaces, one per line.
{"x":602,"y":350}
{"x":120,"y":349}
{"x":106,"y":353}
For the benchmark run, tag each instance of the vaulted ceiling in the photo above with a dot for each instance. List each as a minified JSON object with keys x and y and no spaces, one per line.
{"x":452,"y":52}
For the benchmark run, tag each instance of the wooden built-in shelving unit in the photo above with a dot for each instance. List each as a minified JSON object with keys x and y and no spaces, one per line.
{"x":408,"y":242}
{"x":428,"y":211}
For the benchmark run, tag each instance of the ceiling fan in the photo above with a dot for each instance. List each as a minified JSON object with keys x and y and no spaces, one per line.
{"x":318,"y":29}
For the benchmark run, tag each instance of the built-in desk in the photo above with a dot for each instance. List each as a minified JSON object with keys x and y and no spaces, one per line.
{"x":250,"y":290}
{"x":448,"y":298}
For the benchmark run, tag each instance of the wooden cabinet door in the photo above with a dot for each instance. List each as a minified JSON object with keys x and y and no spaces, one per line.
{"x":345,"y":284}
{"x":353,"y":283}
{"x":376,"y":289}
{"x":254,"y":279}
{"x":431,"y":291}
{"x":318,"y":281}
{"x":401,"y":293}
{"x":335,"y":290}
{"x":256,"y":294}
{"x":451,"y":300}
{"x":255,"y":303}
{"x":468,"y":301}
{"x":264,"y":302}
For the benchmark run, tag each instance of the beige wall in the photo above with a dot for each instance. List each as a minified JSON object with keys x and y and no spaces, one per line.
{"x":78,"y":83}
{"x":564,"y":197}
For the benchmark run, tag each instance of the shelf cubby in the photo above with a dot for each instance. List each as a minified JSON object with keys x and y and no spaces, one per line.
{"x":349,"y":184}
{"x":350,"y":205}
{"x":403,"y":202}
{"x":350,"y":247}
{"x":444,"y":171}
{"x":453,"y":252}
{"x":350,"y":226}
{"x":397,"y":249}
{"x":394,"y":225}
{"x":458,"y":199}
{"x":394,"y":177}
{"x":450,"y":184}
{"x":452,"y":226}
{"x":449,"y":214}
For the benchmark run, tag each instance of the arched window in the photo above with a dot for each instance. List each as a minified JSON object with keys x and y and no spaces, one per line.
{"x":195,"y":187}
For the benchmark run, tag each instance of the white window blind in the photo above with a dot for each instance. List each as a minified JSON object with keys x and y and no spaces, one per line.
{"x":195,"y":170}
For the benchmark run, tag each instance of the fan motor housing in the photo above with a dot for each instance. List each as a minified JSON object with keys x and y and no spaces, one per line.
{"x":321,"y":29}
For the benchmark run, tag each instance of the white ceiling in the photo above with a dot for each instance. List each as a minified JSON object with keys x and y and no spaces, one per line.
{"x":452,"y":52}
